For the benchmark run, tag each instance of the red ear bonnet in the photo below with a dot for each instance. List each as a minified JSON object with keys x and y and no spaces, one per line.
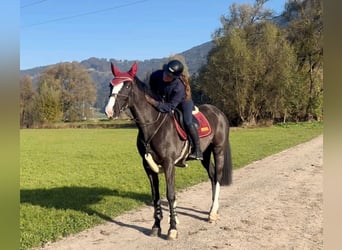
{"x":133,"y":69}
{"x":123,"y":76}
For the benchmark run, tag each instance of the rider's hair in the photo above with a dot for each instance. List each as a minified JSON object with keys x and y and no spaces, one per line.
{"x":185,"y":81}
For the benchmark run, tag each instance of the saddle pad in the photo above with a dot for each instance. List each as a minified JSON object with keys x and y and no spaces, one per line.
{"x":204,"y":128}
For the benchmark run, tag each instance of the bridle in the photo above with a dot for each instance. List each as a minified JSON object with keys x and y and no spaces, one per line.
{"x":141,"y":124}
{"x":115,"y":95}
{"x":118,"y":94}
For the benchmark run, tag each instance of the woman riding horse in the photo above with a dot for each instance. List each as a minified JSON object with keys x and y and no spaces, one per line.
{"x":153,"y":127}
{"x":173,"y":91}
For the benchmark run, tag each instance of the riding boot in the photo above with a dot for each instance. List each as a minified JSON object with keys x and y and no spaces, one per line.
{"x":196,"y":153}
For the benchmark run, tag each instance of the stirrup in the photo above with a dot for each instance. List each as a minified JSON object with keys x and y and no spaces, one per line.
{"x":181,"y":164}
{"x":194,"y":156}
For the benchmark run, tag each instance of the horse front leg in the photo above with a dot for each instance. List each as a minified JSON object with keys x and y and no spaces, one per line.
{"x":158,"y":214}
{"x":171,"y":197}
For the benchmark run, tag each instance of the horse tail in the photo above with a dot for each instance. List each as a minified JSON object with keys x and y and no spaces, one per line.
{"x":227,"y":172}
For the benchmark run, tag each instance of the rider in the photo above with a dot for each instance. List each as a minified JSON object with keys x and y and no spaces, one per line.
{"x":173,"y":90}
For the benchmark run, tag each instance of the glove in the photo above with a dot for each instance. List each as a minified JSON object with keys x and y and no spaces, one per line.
{"x":150,"y":100}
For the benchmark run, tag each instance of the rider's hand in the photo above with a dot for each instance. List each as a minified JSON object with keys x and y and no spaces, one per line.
{"x":150,"y":100}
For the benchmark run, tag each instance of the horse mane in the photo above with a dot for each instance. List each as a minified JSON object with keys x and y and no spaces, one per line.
{"x":144,"y":87}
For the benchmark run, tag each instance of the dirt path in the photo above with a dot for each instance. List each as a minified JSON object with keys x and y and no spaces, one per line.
{"x":274,"y":203}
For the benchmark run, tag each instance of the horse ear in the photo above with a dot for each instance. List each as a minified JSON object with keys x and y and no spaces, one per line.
{"x":133,"y":69}
{"x":115,"y":70}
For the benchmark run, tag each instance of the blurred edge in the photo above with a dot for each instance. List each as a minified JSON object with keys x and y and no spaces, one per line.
{"x":9,"y":128}
{"x":9,"y":105}
{"x":332,"y":125}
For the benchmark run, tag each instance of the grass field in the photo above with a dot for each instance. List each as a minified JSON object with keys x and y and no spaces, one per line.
{"x":73,"y":179}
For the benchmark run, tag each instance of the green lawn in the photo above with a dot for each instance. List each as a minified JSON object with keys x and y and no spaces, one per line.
{"x":73,"y":179}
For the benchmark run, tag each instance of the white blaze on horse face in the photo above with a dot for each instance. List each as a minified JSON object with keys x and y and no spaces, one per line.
{"x":111,"y":102}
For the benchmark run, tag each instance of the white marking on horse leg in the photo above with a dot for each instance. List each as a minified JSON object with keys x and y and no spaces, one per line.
{"x":172,"y":234}
{"x":176,"y":217}
{"x":215,"y":206}
{"x":153,"y":164}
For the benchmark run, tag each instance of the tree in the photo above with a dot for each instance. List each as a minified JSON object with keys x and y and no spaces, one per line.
{"x":249,"y":72}
{"x":305,"y":34}
{"x":27,"y":97}
{"x":75,"y":88}
{"x":47,"y":104}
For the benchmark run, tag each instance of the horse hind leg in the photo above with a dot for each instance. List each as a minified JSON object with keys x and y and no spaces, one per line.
{"x":223,"y":175}
{"x":213,"y":214}
{"x":215,"y":186}
{"x":215,"y":174}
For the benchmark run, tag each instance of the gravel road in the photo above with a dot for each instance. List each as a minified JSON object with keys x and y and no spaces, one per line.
{"x":274,"y":203}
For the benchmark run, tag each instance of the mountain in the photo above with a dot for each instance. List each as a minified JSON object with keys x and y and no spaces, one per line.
{"x":100,"y":71}
{"x":195,"y":58}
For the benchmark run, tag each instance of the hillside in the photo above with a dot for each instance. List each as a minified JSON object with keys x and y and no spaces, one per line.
{"x":100,"y":68}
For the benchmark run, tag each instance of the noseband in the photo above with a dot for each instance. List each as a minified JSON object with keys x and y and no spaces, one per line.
{"x":115,"y":95}
{"x":142,"y":124}
{"x":118,"y":94}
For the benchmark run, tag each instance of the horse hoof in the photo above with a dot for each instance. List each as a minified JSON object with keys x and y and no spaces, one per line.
{"x":212,"y":217}
{"x":172,"y":235}
{"x":156,"y":232}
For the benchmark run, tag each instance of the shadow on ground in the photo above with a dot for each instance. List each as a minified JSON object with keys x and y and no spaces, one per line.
{"x":76,"y":198}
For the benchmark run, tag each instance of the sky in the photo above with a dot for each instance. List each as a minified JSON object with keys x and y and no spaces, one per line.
{"x":55,"y":31}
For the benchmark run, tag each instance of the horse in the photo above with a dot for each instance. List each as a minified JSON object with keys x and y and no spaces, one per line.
{"x":159,"y":144}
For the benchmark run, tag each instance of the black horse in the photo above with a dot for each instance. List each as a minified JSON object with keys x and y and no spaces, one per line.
{"x":159,"y":143}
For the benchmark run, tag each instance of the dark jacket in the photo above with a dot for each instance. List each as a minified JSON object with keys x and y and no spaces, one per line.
{"x":170,"y":94}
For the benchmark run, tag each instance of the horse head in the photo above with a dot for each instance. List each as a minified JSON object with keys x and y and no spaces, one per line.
{"x":120,"y":86}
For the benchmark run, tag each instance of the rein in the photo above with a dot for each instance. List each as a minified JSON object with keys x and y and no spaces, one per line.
{"x":143,"y":124}
{"x":156,"y":130}
{"x":150,"y":123}
{"x":148,"y":141}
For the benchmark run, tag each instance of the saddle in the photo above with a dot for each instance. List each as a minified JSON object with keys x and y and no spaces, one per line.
{"x":200,"y":121}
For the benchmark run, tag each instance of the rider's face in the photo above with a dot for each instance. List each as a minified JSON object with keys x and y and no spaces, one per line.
{"x":167,"y":78}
